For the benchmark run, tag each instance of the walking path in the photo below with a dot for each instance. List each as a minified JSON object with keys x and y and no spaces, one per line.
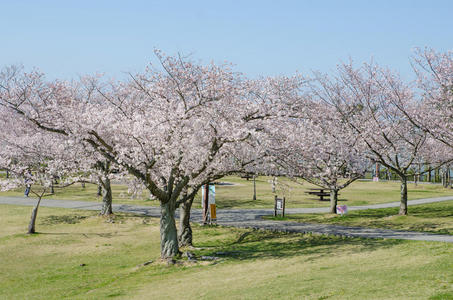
{"x":252,"y":218}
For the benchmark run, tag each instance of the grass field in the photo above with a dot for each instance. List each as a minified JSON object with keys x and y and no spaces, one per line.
{"x":240,"y":194}
{"x":433,"y":217}
{"x":78,"y":255}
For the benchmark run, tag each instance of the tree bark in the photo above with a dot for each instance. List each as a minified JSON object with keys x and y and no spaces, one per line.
{"x":445,"y":177}
{"x":106,"y":197}
{"x":403,"y":204}
{"x":254,"y":187}
{"x":185,"y":230}
{"x":34,"y":214}
{"x":169,"y":247}
{"x":99,"y":190}
{"x":205,"y":203}
{"x":333,"y":201}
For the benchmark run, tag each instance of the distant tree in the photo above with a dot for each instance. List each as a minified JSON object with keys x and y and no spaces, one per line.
{"x":368,"y":99}
{"x":319,"y":147}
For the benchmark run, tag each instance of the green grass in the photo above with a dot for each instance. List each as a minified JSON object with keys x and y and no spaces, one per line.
{"x":240,"y":194}
{"x":358,"y":193}
{"x":433,"y":217}
{"x":254,"y":264}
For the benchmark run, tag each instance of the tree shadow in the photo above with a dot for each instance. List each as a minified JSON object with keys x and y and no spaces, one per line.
{"x":255,"y":244}
{"x":63,"y":219}
{"x":85,"y":234}
{"x":423,"y":218}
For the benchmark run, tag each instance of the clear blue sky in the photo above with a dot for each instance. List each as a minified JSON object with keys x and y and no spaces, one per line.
{"x":68,"y":38}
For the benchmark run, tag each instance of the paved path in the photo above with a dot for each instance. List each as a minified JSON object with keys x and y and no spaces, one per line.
{"x":252,"y":218}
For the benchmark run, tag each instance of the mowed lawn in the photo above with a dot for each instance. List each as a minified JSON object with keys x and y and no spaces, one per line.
{"x":433,"y":217}
{"x":79,"y":255}
{"x":238,"y":193}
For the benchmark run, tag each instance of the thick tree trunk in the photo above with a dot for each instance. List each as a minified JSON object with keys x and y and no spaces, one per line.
{"x":333,"y":201}
{"x":168,"y":235}
{"x":106,"y":197}
{"x":185,"y":230}
{"x":403,"y":204}
{"x":34,"y":214}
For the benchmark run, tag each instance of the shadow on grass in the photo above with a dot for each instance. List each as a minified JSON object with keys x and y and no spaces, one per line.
{"x":64,"y":219}
{"x":255,"y":244}
{"x":85,"y":234}
{"x":423,"y":218}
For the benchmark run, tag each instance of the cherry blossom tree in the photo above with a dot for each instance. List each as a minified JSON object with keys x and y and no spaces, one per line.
{"x":319,"y":147}
{"x":34,"y":158}
{"x":368,"y":99}
{"x":169,"y":128}
{"x":28,"y":101}
{"x":434,"y":72}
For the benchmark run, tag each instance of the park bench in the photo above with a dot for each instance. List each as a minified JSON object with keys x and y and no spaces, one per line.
{"x":246,"y":176}
{"x":320,"y":193}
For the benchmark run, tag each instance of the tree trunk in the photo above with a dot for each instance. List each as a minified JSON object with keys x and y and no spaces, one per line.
{"x":274,"y":180}
{"x":449,"y":176}
{"x":403,"y":204}
{"x":445,"y":177}
{"x":168,"y":235}
{"x":254,"y":187}
{"x":205,"y":203}
{"x":106,"y":197}
{"x":99,"y":190}
{"x":34,"y":214}
{"x":333,"y":201}
{"x":185,"y":230}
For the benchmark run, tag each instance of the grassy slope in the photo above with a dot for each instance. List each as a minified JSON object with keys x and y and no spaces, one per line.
{"x":240,"y":195}
{"x":261,"y":265}
{"x":433,"y":217}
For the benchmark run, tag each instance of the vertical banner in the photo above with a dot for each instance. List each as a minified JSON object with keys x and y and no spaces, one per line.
{"x":211,"y":195}
{"x":211,"y":198}
{"x":211,"y":209}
